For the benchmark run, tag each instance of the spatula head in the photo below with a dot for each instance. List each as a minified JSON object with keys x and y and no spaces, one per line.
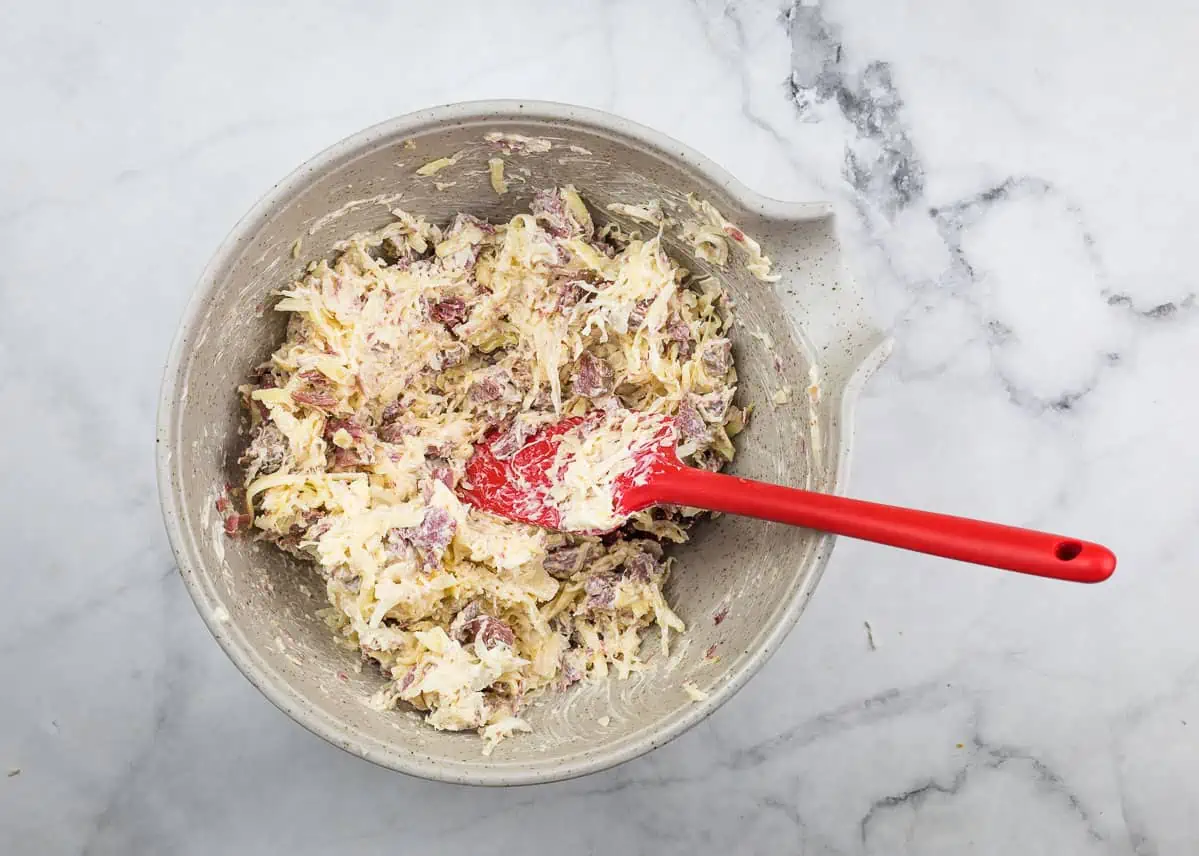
{"x":518,"y":486}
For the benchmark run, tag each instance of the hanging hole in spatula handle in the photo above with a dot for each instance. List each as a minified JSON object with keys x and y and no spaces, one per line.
{"x":1067,"y":550}
{"x":1084,"y":562}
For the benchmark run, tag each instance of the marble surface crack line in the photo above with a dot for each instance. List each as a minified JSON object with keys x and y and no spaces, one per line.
{"x":889,"y":703}
{"x":954,"y":219}
{"x":914,"y":797}
{"x":736,"y":60}
{"x":1159,"y":312}
{"x":881,"y":164}
{"x":999,"y":756}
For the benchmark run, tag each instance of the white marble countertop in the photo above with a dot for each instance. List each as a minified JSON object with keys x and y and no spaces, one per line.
{"x":1019,"y":188}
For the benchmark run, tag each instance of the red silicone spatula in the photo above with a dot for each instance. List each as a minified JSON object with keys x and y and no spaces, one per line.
{"x":518,"y":488}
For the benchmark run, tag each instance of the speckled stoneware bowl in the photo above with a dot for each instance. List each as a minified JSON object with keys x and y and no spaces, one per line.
{"x":263,"y":607}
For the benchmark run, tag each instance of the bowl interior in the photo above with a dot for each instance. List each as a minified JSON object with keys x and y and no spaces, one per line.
{"x":264,"y":607}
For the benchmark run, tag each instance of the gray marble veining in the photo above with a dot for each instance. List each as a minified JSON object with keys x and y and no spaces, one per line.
{"x":1018,"y":186}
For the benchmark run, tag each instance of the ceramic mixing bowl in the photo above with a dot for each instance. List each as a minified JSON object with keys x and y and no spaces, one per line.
{"x":740,"y":584}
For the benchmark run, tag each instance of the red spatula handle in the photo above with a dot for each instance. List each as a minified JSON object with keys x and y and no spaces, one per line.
{"x":1023,"y":550}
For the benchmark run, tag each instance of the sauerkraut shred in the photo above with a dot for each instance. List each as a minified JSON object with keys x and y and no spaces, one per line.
{"x":589,"y":460}
{"x":403,"y":352}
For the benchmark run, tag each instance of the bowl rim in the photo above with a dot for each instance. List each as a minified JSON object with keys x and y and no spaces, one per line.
{"x":187,"y":557}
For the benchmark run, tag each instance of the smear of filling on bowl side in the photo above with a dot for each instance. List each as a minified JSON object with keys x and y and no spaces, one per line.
{"x":409,"y":347}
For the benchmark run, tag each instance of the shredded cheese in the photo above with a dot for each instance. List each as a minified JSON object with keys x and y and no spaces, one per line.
{"x":435,"y":166}
{"x":495,"y":168}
